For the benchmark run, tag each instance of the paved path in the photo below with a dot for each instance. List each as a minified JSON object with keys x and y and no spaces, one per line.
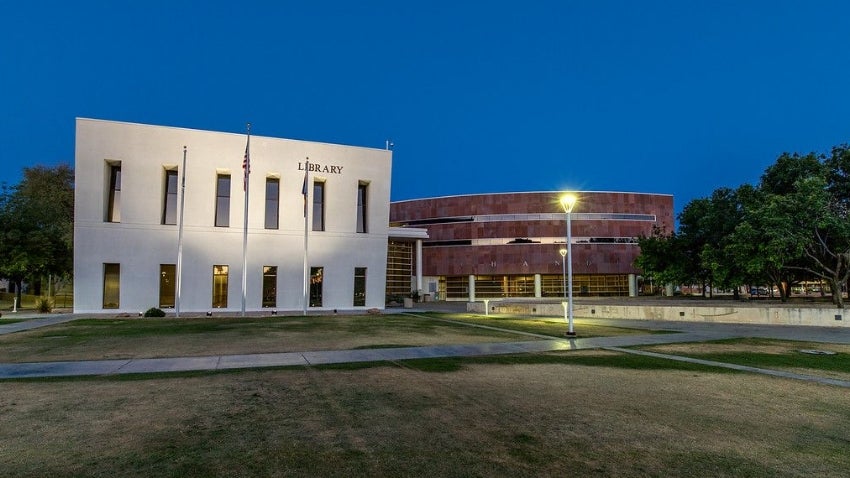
{"x":30,"y":323}
{"x":688,"y":332}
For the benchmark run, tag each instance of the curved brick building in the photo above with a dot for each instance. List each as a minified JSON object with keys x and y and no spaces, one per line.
{"x":507,"y":244}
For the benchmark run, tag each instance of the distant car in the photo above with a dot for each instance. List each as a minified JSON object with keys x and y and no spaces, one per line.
{"x":758,"y":291}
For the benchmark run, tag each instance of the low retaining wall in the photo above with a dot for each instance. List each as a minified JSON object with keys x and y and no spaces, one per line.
{"x":812,"y":316}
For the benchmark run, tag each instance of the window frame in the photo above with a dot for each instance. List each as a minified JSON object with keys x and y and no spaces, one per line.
{"x":319,"y":200}
{"x":220,"y":286}
{"x":113,"y":199}
{"x":272,"y":203}
{"x":166,"y":272}
{"x":362,"y":208}
{"x":222,"y":200}
{"x":360,"y":275}
{"x":269,"y":294}
{"x":317,"y":279}
{"x":111,"y":270}
{"x":169,"y":199}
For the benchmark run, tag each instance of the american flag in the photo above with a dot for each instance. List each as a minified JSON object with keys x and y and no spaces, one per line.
{"x":304,"y":186}
{"x":246,"y":166}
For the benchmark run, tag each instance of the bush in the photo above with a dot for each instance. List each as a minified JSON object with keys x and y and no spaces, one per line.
{"x":44,"y":305}
{"x":154,"y":312}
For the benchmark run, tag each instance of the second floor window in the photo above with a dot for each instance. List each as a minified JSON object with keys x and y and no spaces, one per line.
{"x":113,"y":205}
{"x":362,"y":190}
{"x":318,"y":206}
{"x":272,"y":202}
{"x":222,"y":200}
{"x":169,"y":204}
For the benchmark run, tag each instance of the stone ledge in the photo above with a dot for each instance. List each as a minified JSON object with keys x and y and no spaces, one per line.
{"x":726,"y":313}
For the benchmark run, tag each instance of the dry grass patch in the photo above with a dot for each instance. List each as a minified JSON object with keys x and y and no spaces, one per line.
{"x":767,"y":353}
{"x":547,"y":419}
{"x":552,"y":326}
{"x":95,"y":339}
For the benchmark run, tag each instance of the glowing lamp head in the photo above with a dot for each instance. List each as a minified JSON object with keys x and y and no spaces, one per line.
{"x":568,"y":201}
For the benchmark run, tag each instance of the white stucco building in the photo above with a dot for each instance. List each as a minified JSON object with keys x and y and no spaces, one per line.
{"x":127,"y":213}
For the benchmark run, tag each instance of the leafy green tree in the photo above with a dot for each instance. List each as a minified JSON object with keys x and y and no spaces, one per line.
{"x":806,"y":215}
{"x":761,"y":244}
{"x":795,"y":224}
{"x":38,"y":215}
{"x":824,"y":233}
{"x":661,"y":257}
{"x":723,"y":214}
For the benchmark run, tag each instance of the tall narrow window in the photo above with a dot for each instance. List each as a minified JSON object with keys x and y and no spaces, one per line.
{"x":113,"y":205}
{"x":318,"y":206}
{"x":222,"y":200}
{"x":111,"y":286}
{"x":359,"y":286}
{"x":362,"y":189}
{"x":169,"y":202}
{"x":272,"y":202}
{"x":167,"y":285}
{"x":316,"y":279}
{"x":219,"y":295}
{"x":269,"y":286}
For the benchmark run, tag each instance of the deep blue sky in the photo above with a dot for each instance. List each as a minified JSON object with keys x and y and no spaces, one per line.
{"x":677,"y":97}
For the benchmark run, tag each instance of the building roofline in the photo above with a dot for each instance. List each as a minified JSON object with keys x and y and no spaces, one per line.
{"x":183,"y":128}
{"x":527,"y":192}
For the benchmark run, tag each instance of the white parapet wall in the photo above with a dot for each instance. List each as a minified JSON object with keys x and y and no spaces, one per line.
{"x":749,"y":314}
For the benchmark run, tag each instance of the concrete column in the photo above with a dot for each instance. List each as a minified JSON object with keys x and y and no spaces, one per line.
{"x":538,"y":288}
{"x":632,"y":285}
{"x":668,"y":290}
{"x":472,"y":288}
{"x":419,"y":265}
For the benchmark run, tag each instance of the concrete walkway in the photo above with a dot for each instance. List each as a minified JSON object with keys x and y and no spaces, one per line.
{"x":688,"y":332}
{"x":29,"y":323}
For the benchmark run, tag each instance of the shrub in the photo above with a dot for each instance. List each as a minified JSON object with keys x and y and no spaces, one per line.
{"x":154,"y":312}
{"x":44,"y":305}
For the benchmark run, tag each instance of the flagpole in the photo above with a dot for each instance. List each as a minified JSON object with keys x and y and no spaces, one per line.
{"x":246,"y":165}
{"x":305,"y":191}
{"x":180,"y":235}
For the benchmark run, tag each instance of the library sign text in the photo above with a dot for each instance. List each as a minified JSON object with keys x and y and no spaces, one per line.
{"x":319,"y":168}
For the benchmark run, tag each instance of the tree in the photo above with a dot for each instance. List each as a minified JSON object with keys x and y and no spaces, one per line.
{"x":794,"y":224}
{"x":761,"y":244}
{"x":806,"y":201}
{"x":692,"y":237}
{"x":661,"y":257}
{"x":723,"y":214}
{"x":38,"y":215}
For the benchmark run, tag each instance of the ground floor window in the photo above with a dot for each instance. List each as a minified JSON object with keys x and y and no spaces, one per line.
{"x":111,"y":286}
{"x":167,"y":285}
{"x":359,"y":286}
{"x":551,"y":285}
{"x":316,"y":279}
{"x":219,"y":290}
{"x":400,"y":269}
{"x":269,"y":286}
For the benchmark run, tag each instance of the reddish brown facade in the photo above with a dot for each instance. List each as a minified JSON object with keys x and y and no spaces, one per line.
{"x":520,"y":234}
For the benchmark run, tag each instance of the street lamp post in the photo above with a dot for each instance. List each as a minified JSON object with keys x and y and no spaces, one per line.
{"x":568,"y":201}
{"x":565,"y":303}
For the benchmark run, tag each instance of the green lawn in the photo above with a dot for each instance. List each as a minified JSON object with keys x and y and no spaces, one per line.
{"x":576,"y":413}
{"x":765,"y":353}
